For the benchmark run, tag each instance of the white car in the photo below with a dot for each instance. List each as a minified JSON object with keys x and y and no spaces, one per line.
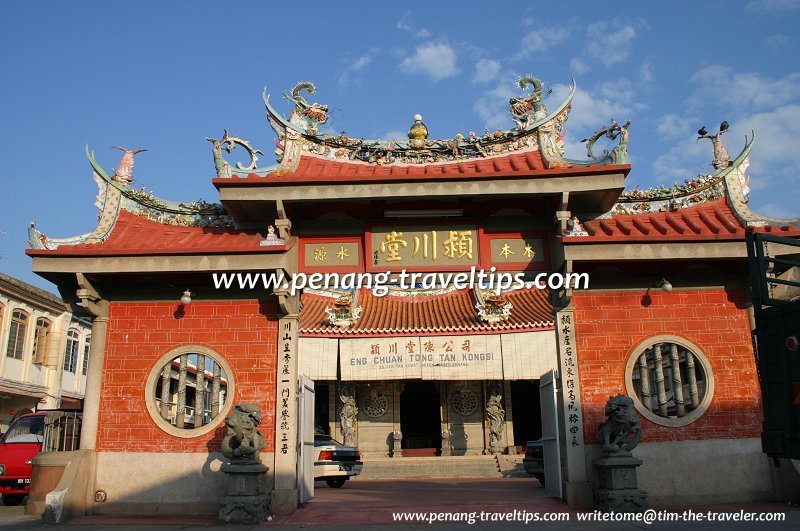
{"x":335,"y":463}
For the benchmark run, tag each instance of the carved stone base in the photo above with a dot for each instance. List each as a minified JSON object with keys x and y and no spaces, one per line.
{"x":619,"y":489}
{"x":397,"y":446}
{"x":246,"y":498}
{"x":624,"y":500}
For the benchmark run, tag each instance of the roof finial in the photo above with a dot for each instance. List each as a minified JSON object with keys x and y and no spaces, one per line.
{"x":721,"y":158}
{"x":124,"y":173}
{"x":418,"y":133}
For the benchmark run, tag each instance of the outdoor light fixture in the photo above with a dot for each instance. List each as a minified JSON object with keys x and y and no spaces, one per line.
{"x":413,"y":214}
{"x":186,"y":298}
{"x":664,"y":284}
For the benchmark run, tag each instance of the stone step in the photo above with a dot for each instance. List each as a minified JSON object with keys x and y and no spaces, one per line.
{"x":431,"y":467}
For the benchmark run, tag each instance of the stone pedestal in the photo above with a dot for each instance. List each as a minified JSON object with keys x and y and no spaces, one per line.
{"x":397,"y":439}
{"x":446,"y":443}
{"x":619,"y":490}
{"x":246,"y":499}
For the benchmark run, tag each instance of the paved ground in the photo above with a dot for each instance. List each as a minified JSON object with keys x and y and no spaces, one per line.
{"x":371,"y":503}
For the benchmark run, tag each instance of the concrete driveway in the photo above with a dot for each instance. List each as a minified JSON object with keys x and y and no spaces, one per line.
{"x":375,"y":504}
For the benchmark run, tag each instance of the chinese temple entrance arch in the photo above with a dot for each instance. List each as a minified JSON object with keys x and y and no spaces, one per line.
{"x":420,"y":419}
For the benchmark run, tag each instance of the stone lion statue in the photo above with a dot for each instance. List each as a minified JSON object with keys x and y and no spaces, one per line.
{"x":621,"y":431}
{"x":243,"y":442}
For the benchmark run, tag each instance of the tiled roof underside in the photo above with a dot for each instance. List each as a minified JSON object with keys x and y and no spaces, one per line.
{"x":140,"y":236}
{"x":451,"y":312}
{"x":710,"y":221}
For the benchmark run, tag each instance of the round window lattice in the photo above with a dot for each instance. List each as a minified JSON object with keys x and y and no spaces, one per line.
{"x":376,"y":405}
{"x":465,"y":402}
{"x":669,"y":380}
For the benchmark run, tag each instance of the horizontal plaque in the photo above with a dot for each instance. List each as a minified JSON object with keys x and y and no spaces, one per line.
{"x":423,"y":246}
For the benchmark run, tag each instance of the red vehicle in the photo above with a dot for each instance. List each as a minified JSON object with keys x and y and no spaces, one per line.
{"x":19,"y":445}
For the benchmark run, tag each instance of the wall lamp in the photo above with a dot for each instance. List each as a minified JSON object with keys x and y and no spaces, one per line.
{"x":663,"y":284}
{"x":413,"y":214}
{"x":186,"y":298}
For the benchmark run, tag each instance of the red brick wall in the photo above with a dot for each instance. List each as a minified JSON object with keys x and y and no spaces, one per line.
{"x":610,"y":325}
{"x":243,"y":332}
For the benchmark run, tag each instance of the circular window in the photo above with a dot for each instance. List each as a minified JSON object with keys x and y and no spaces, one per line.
{"x":670,"y":380}
{"x":465,"y":402}
{"x":189,"y":391}
{"x":376,"y":404}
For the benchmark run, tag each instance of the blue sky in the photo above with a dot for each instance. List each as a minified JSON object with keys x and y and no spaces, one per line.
{"x":164,"y":75}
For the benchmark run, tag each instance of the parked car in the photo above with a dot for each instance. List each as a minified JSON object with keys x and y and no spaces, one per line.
{"x":29,"y":434}
{"x":534,"y":460}
{"x":19,"y":445}
{"x":335,"y":463}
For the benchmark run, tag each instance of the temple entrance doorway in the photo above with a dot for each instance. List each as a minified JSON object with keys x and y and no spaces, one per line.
{"x":321,"y":409}
{"x":527,"y":412}
{"x":420,"y":419}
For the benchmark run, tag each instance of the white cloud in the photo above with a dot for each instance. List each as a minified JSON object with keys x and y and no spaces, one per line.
{"x":578,"y":66}
{"x":538,"y":41}
{"x":772,"y":6}
{"x":775,"y":43}
{"x":395,"y":134}
{"x":486,"y":70}
{"x":592,"y":109}
{"x":672,"y":127}
{"x":356,"y":66}
{"x":609,"y":42}
{"x":741,"y":91}
{"x":775,"y":152}
{"x":492,"y":107}
{"x":685,"y":160}
{"x":646,"y":71}
{"x":436,"y":60}
{"x":406,"y":24}
{"x":774,"y":211}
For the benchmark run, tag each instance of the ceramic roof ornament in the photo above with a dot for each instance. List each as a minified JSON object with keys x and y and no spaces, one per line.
{"x":124,"y":172}
{"x":721,"y":158}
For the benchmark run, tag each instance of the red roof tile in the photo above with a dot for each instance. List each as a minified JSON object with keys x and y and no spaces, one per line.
{"x":315,"y":168}
{"x":452,"y":312}
{"x":133,"y":235}
{"x":710,"y":221}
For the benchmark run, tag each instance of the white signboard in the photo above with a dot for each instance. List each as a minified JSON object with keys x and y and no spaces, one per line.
{"x":379,"y":358}
{"x":429,"y":358}
{"x":462,"y":358}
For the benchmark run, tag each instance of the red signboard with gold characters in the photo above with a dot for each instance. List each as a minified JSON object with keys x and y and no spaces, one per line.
{"x":426,"y":246}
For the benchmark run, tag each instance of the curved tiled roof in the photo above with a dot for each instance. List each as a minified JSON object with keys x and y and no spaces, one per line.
{"x":316,"y":168}
{"x":709,"y":221}
{"x":452,"y":312}
{"x":133,"y":235}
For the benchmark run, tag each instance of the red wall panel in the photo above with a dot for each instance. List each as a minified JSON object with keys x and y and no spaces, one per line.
{"x":610,"y":325}
{"x":243,"y":332}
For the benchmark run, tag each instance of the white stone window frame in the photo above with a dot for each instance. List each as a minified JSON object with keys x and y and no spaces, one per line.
{"x":155,"y":375}
{"x":671,"y":422}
